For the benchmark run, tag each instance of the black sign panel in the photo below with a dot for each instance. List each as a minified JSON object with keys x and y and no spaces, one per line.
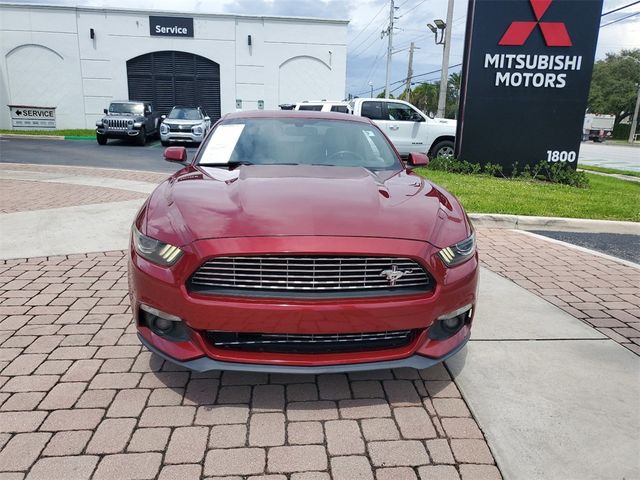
{"x":525,"y":80}
{"x":171,"y":26}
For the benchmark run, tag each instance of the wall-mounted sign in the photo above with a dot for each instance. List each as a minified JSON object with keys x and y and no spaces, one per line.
{"x":32,"y":118}
{"x":171,"y":26}
{"x":260,"y":104}
{"x":238,"y":104}
{"x":525,"y":80}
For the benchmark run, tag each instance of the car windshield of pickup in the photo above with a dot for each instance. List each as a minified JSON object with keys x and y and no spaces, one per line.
{"x":179,"y":113}
{"x":127,"y":108}
{"x":298,"y":141}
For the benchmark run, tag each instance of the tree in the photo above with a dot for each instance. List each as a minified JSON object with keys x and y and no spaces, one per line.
{"x":425,"y":97}
{"x":614,"y":84}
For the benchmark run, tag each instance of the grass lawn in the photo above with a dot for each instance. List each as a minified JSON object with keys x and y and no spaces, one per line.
{"x":605,"y":198}
{"x":631,"y":173}
{"x":78,"y":132}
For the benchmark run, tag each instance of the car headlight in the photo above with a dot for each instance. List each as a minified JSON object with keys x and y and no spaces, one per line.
{"x":197,"y":130}
{"x":164,"y":128}
{"x":458,"y":253}
{"x":98,"y":123}
{"x":154,"y":250}
{"x":136,"y":125}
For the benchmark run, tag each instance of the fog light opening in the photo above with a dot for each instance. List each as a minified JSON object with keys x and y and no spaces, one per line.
{"x":163,"y":324}
{"x":448,"y":325}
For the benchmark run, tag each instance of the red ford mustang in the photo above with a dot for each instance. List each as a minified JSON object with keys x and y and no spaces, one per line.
{"x":298,"y":242}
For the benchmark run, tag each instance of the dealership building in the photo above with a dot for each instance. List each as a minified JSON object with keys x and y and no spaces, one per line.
{"x":62,"y":65}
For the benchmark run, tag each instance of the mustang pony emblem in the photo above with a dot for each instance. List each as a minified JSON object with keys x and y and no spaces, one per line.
{"x":394,"y":274}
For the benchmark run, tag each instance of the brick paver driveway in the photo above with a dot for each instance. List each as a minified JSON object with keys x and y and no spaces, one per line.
{"x":80,"y":398}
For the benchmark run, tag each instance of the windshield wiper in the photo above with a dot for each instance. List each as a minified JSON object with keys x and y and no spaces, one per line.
{"x":234,"y":164}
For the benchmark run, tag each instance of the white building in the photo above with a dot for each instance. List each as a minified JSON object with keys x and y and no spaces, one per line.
{"x":78,"y":59}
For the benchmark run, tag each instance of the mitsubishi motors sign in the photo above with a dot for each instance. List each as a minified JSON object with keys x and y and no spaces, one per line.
{"x":525,"y":80}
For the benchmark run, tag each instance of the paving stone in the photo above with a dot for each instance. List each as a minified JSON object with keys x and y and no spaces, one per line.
{"x":115,"y":380}
{"x":78,"y":419}
{"x":180,"y":472}
{"x":164,"y":379}
{"x":364,"y":408}
{"x":166,"y":396}
{"x":343,"y":437}
{"x":334,"y":387}
{"x":401,"y":393}
{"x":187,"y":445}
{"x":149,"y":439}
{"x":53,"y":367}
{"x":471,"y":451}
{"x":236,"y":461}
{"x":305,"y":433}
{"x":221,"y":414}
{"x":268,"y":398}
{"x":480,"y":472}
{"x":461,"y":428}
{"x":243,"y":378}
{"x":167,"y":416}
{"x":414,"y":422}
{"x":440,"y":472}
{"x":396,"y":473}
{"x":301,"y":392}
{"x":129,"y":466}
{"x":266,"y":429}
{"x":116,"y":365}
{"x":30,"y":383}
{"x":351,"y":468}
{"x":67,"y":443}
{"x":442,"y":389}
{"x":398,"y":453}
{"x":96,"y":399}
{"x":228,"y":436}
{"x":112,"y":435}
{"x":82,"y":371}
{"x":234,"y":394}
{"x":22,"y":401}
{"x":11,"y":476}
{"x":380,"y":429}
{"x":451,"y":407}
{"x":17,"y":422}
{"x":297,"y":459}
{"x":201,"y":391}
{"x":128,"y":403}
{"x":310,"y":476}
{"x":63,"y":395}
{"x":68,"y":468}
{"x":25,"y":364}
{"x":367,"y":389}
{"x":73,"y":353}
{"x":439,"y":451}
{"x":22,"y":451}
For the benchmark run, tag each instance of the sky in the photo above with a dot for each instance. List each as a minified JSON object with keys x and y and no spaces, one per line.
{"x":366,"y":51}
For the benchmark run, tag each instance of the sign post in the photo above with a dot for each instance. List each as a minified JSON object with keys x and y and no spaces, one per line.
{"x":25,"y":117}
{"x":525,"y":80}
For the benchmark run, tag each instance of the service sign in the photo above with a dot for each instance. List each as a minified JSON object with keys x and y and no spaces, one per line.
{"x":32,"y":118}
{"x":525,"y":80}
{"x":171,"y":26}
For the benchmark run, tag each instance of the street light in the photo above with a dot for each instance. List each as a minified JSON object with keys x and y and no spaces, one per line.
{"x":441,"y":26}
{"x":371,"y":86}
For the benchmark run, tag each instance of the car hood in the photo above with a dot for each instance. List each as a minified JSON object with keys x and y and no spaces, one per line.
{"x":206,"y":202}
{"x":179,"y":121}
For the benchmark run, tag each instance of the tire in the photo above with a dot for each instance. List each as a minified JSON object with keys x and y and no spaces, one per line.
{"x":141,"y":139}
{"x":165,"y":143}
{"x":101,"y":139}
{"x":444,"y":148}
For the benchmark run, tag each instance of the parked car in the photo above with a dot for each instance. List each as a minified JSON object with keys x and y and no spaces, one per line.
{"x":184,"y":124}
{"x":128,"y":119}
{"x":298,"y":242}
{"x":598,"y":127}
{"x":323,"y":106}
{"x":408,"y":128}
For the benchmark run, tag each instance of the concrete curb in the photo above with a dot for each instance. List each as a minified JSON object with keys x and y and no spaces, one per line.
{"x":39,"y":137}
{"x":560,"y":224}
{"x":619,"y":176}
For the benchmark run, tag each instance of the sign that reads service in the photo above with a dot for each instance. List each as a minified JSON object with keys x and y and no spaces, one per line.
{"x":171,"y":26}
{"x":32,"y":118}
{"x":525,"y":80}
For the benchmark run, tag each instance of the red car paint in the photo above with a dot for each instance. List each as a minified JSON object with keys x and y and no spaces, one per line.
{"x":210,"y":212}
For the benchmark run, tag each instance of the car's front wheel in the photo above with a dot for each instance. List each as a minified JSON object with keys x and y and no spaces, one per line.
{"x":141,"y":139}
{"x":101,"y":139}
{"x":443,"y":149}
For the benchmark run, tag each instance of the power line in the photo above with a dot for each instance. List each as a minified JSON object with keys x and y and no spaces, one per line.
{"x":368,"y":37}
{"x":370,"y":22}
{"x":620,"y":19}
{"x":412,"y":9}
{"x":404,"y":79}
{"x":620,"y":8}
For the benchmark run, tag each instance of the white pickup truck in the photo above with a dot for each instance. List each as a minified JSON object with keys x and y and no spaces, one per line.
{"x":408,"y":128}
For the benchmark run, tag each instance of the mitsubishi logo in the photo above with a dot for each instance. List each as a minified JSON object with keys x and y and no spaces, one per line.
{"x":555,"y":33}
{"x":394,"y":274}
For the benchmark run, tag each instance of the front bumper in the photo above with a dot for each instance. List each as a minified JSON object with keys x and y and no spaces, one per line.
{"x":165,"y":289}
{"x":118,"y":132}
{"x":186,"y":136}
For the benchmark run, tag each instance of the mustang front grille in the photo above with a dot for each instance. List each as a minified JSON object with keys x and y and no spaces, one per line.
{"x":322,"y":276}
{"x":310,"y":343}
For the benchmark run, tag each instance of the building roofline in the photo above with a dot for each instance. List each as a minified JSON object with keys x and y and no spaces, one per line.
{"x":171,"y":13}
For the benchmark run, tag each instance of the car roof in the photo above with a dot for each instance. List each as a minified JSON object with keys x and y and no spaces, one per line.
{"x":296,"y":114}
{"x":195,"y":107}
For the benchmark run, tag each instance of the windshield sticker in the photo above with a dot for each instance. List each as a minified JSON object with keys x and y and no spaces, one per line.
{"x":222,"y":143}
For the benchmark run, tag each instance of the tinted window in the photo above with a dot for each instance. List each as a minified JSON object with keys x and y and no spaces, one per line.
{"x":373,"y":110}
{"x":184,"y":114}
{"x":400,"y":111}
{"x":314,"y":108}
{"x":266,"y":141}
{"x":339,"y":108}
{"x":135,"y":108}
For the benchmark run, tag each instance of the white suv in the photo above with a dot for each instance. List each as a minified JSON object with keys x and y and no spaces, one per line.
{"x":323,"y":106}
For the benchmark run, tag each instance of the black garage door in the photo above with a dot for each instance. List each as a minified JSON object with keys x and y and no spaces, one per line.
{"x":175,"y":78}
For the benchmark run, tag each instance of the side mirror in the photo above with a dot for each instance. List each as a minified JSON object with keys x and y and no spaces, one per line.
{"x":106,"y":112}
{"x":207,"y":119}
{"x":175,"y":154}
{"x":163,"y":117}
{"x":416,"y":117}
{"x":417,"y":159}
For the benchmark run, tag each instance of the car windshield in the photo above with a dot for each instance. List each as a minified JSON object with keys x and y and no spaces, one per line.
{"x":135,"y":108}
{"x":184,"y":114}
{"x":298,"y":141}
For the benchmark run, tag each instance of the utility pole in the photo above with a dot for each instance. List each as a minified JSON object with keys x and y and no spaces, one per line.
{"x":444,"y":77}
{"x":634,"y":123}
{"x":389,"y":33}
{"x":409,"y":73}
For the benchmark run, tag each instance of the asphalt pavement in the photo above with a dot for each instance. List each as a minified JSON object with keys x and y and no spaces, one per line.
{"x":623,"y":157}
{"x":86,"y":153}
{"x":622,"y":246}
